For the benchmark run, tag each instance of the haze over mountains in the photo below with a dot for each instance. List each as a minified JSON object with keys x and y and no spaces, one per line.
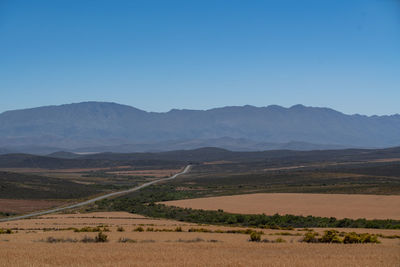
{"x":100,"y":126}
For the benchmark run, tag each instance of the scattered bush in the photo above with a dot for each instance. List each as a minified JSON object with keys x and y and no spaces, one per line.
{"x":310,"y":237}
{"x":255,"y":237}
{"x":51,"y":239}
{"x":332,"y":236}
{"x":200,"y":230}
{"x":101,"y":237}
{"x":138,"y":229}
{"x":120,"y":229}
{"x":126,"y":240}
{"x":178,"y":229}
{"x":92,"y":229}
{"x":351,"y":238}
{"x":5,"y":231}
{"x":87,"y":239}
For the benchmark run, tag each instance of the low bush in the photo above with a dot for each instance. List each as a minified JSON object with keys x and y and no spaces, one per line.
{"x":87,"y":239}
{"x":333,"y":236}
{"x":330,"y":236}
{"x":120,"y":229}
{"x":200,"y":230}
{"x":255,"y":237}
{"x":354,"y":238}
{"x":51,"y":239}
{"x":101,"y":238}
{"x":91,"y":229}
{"x":138,"y":229}
{"x":126,"y":240}
{"x":5,"y":231}
{"x":310,"y":237}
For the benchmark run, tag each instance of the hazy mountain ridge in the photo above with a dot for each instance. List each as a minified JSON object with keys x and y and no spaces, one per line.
{"x":99,"y":124}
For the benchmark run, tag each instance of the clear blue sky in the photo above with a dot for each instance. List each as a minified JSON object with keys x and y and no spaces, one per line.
{"x":199,"y":54}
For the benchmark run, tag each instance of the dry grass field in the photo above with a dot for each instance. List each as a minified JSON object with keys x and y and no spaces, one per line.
{"x":324,"y":205}
{"x":28,"y":247}
{"x":25,"y":206}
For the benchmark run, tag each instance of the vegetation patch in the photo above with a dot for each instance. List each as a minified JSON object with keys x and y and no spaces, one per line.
{"x":333,"y":236}
{"x":51,"y":239}
{"x":5,"y":231}
{"x":100,"y":238}
{"x":92,"y":229}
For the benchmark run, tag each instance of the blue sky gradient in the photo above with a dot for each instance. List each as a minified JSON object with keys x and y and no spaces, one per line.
{"x":158,"y":55}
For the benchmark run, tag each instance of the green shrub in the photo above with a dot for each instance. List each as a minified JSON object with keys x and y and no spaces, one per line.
{"x":255,"y":237}
{"x":280,"y":240}
{"x":310,"y":237}
{"x":5,"y":231}
{"x":139,"y":229}
{"x":101,"y":238}
{"x":354,"y":238}
{"x":91,"y":229}
{"x":330,"y":236}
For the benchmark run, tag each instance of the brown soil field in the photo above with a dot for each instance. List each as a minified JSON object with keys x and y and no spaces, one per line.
{"x":324,"y":205}
{"x":24,"y":206}
{"x":27,"y":247}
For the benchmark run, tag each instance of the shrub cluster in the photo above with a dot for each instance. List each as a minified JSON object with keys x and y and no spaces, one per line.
{"x":333,"y":236}
{"x":100,"y":238}
{"x":92,"y":229}
{"x":255,"y":237}
{"x":5,"y":231}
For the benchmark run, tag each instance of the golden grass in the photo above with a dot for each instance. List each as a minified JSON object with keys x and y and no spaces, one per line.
{"x":324,"y":205}
{"x":196,"y":254}
{"x":26,"y":247}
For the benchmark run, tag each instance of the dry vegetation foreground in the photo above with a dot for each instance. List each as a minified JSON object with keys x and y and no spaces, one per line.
{"x":155,"y":242}
{"x":323,"y":205}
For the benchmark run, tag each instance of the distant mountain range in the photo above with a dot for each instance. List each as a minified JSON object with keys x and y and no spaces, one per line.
{"x":99,"y":127}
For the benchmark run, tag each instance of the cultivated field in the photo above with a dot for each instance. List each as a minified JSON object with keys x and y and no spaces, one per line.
{"x":324,"y":205}
{"x":30,"y":245}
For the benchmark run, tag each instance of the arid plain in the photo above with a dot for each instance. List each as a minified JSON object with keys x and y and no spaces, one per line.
{"x":160,"y":244}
